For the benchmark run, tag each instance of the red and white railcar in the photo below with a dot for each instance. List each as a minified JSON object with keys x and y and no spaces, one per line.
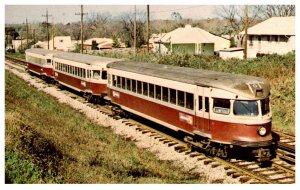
{"x":224,"y":109}
{"x":82,"y":73}
{"x":40,"y":62}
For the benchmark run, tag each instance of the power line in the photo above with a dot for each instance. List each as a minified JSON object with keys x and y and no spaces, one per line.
{"x":47,"y":25}
{"x":81,"y":26}
{"x":171,"y":10}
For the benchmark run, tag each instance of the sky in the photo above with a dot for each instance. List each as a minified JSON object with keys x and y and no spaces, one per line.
{"x":16,"y":11}
{"x":66,"y":13}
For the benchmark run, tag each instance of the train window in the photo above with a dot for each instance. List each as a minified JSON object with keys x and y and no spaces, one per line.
{"x":245,"y":108}
{"x":133,"y":83}
{"x":151,"y":90}
{"x":200,"y":103}
{"x":221,"y":106}
{"x":118,"y":81}
{"x":189,"y":101}
{"x":158,"y":92}
{"x":83,"y":73}
{"x":172,"y":96}
{"x":123,"y":84}
{"x":128,"y":84}
{"x":265,"y":106}
{"x":206,"y":104}
{"x":49,"y":61}
{"x":88,"y":73}
{"x":139,"y":87}
{"x":80,"y":72}
{"x":96,"y":74}
{"x":114,"y":80}
{"x":145,"y":88}
{"x":165,"y":94}
{"x":104,"y":75}
{"x":180,"y":98}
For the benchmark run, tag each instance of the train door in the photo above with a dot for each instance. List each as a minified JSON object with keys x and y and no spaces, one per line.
{"x":202,"y":109}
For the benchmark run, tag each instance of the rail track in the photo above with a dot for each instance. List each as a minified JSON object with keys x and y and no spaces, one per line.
{"x":280,"y":170}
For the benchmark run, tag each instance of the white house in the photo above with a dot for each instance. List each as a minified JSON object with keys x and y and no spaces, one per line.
{"x":194,"y":40}
{"x":61,"y":43}
{"x":274,"y":35}
{"x":155,"y":43}
{"x":16,"y":44}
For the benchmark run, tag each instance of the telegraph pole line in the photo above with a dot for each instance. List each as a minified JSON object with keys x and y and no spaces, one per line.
{"x":33,"y":37}
{"x":134,"y":31}
{"x":27,"y":34}
{"x":148,"y":27}
{"x":47,"y":24}
{"x":52,"y":31}
{"x":246,"y":32}
{"x":81,"y":26}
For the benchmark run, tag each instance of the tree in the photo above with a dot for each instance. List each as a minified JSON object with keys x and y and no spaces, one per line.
{"x":234,"y":14}
{"x":127,"y":31}
{"x":278,"y":10}
{"x":176,"y":16}
{"x":116,"y":43}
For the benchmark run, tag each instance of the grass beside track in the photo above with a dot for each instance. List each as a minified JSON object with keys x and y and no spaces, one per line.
{"x":47,"y":142}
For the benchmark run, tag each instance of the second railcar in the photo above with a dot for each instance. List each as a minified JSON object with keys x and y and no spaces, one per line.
{"x":83,"y":73}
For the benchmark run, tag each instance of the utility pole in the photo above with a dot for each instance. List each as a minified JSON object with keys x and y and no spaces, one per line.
{"x":81,"y":26}
{"x":134,"y":31}
{"x":246,"y":32}
{"x":148,"y":26}
{"x":52,"y":31}
{"x":27,"y":34}
{"x":33,"y":37}
{"x":47,"y":25}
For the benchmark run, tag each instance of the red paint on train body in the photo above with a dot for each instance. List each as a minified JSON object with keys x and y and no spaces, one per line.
{"x":223,"y":132}
{"x":81,"y":85}
{"x":47,"y":71}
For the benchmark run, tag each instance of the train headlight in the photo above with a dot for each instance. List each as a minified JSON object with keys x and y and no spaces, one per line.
{"x":262,"y":131}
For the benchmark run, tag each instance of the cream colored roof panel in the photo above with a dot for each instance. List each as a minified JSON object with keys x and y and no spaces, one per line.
{"x":274,"y":26}
{"x":235,"y":83}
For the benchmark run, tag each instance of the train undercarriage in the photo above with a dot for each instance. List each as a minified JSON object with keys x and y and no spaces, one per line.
{"x":226,"y":151}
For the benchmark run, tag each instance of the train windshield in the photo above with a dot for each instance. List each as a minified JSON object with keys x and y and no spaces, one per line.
{"x":245,"y":108}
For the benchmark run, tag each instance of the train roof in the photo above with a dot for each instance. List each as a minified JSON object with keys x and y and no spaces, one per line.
{"x":41,"y":51}
{"x":244,"y":85}
{"x":84,"y":58}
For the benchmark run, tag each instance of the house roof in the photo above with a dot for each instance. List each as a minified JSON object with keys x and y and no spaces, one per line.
{"x":274,"y":26}
{"x":190,"y":34}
